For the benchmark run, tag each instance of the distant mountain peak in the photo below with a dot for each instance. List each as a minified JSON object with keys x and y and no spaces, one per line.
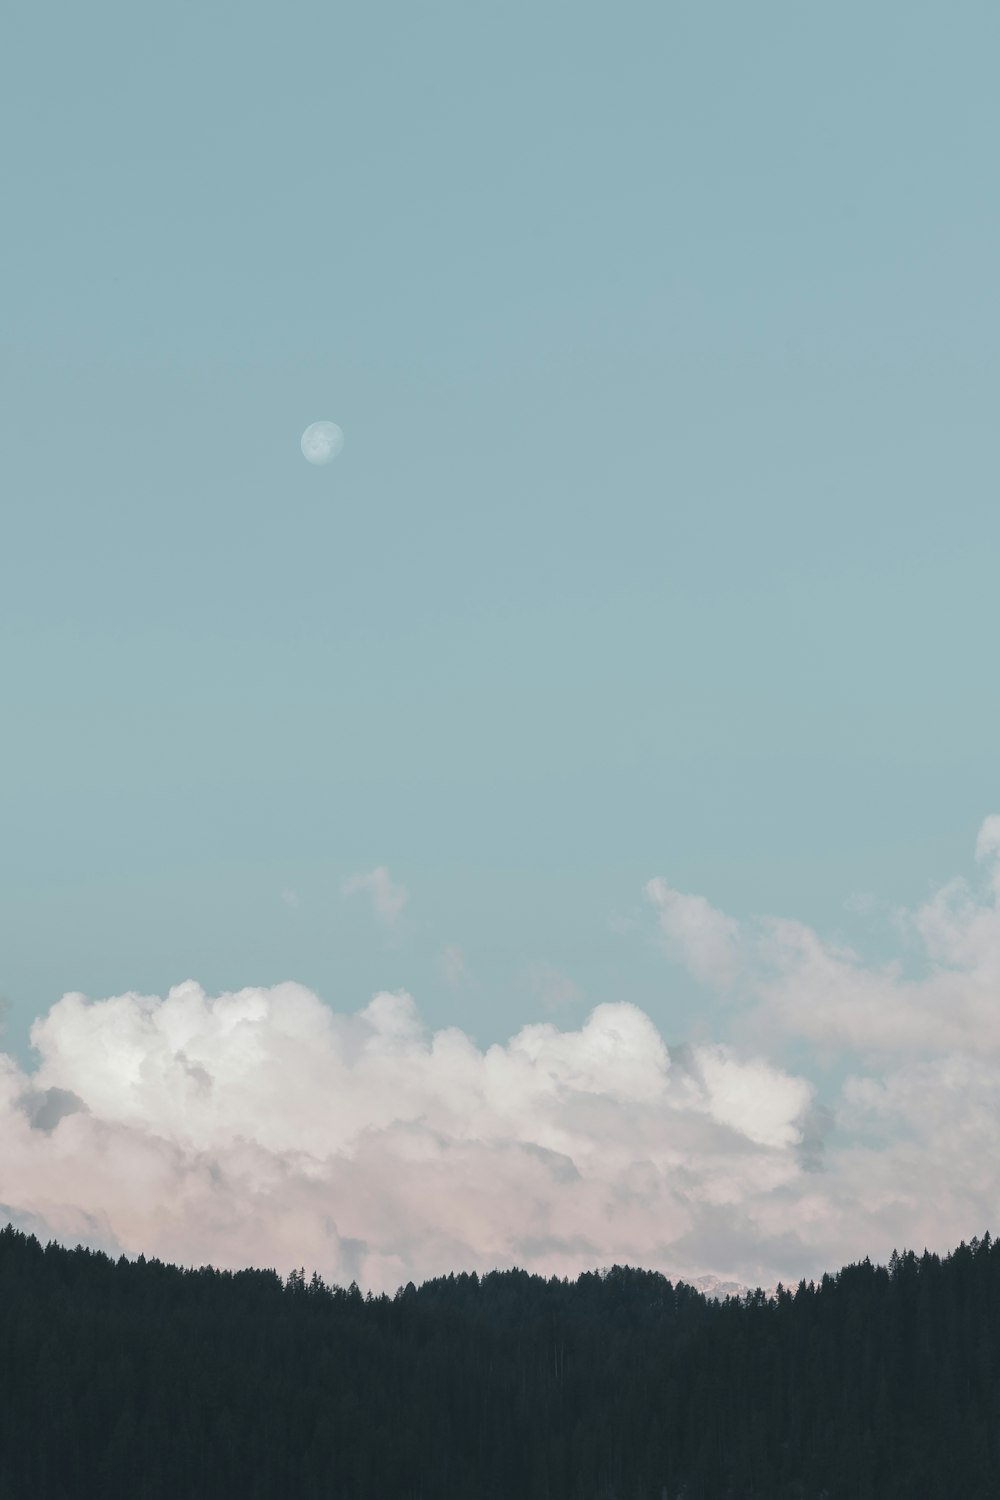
{"x":718,"y":1290}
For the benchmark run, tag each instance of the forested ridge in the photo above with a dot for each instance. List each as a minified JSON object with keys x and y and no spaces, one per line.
{"x":140,"y":1380}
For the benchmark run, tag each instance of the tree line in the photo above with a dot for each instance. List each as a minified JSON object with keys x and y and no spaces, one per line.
{"x":145,"y":1381}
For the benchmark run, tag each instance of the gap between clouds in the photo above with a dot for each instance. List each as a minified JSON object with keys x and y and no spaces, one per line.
{"x":263,"y":1127}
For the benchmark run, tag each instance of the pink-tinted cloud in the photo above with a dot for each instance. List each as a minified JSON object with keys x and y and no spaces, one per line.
{"x":264,"y":1127}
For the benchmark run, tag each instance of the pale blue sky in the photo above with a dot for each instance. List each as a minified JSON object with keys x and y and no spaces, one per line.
{"x":664,"y":539}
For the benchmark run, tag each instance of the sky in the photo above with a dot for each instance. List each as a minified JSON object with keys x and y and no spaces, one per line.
{"x":581,"y":787}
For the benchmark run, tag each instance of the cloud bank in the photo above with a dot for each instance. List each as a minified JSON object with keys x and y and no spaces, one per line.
{"x":263,"y":1127}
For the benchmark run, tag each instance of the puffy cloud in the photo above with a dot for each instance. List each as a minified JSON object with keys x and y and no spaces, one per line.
{"x":911,"y":1153}
{"x":764,"y":1104}
{"x":387,"y":898}
{"x":263,"y":1126}
{"x":704,"y":939}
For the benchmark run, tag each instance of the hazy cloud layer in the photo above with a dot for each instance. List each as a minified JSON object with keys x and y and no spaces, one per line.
{"x":941,"y":994}
{"x":263,"y":1127}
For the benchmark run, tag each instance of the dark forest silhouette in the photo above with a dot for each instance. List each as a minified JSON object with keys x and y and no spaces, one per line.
{"x":139,"y":1380}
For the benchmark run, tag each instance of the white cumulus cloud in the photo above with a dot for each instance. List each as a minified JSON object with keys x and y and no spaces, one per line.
{"x":263,"y":1126}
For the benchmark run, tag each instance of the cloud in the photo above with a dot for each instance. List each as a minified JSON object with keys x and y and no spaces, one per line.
{"x":861,"y":903}
{"x":704,"y":939}
{"x":554,"y":990}
{"x":910,"y":1154}
{"x":761,"y":1102}
{"x":262,"y":1126}
{"x":387,"y":898}
{"x":942,"y":993}
{"x":453,"y":964}
{"x":988,"y":842}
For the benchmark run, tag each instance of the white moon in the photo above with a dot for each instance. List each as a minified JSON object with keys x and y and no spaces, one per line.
{"x":321,"y":442}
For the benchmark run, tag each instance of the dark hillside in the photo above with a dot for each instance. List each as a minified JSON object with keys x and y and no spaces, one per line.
{"x":145,"y":1382}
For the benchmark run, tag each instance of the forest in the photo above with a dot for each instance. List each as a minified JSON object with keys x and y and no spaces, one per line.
{"x":144,"y":1381}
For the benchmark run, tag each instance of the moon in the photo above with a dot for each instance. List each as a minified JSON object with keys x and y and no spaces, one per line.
{"x":321,"y":442}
